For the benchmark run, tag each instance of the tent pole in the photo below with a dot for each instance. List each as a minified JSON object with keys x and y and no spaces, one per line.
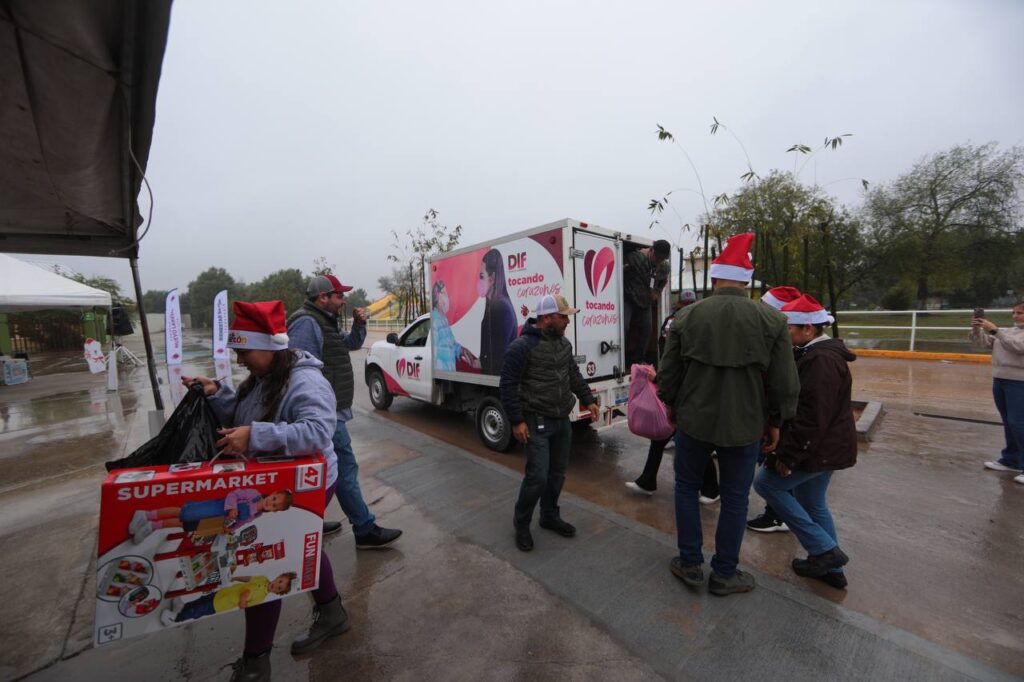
{"x":150,"y":360}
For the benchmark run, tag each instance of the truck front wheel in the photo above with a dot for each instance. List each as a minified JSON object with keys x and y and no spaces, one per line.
{"x":380,"y":396}
{"x":492,"y":426}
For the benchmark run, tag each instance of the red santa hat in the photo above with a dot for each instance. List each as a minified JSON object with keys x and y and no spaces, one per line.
{"x":258,"y":326}
{"x":734,"y":261}
{"x":780,"y":296}
{"x":806,"y":310}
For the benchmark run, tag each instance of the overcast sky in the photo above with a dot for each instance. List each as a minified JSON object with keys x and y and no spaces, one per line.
{"x":288,"y":131}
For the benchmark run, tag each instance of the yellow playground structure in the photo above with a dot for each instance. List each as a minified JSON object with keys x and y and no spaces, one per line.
{"x":383,"y":308}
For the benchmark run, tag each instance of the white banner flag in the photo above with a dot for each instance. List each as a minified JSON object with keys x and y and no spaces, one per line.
{"x":172,"y":328}
{"x":221,"y":357}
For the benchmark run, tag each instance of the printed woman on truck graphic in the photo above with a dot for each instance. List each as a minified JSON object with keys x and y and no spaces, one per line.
{"x":240,"y":507}
{"x":498,"y":328}
{"x":447,"y":351}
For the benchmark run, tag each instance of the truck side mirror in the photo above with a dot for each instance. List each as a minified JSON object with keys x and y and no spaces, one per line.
{"x":392,"y":338}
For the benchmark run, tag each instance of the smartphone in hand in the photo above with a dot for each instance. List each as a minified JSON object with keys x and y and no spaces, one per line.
{"x":979,"y":313}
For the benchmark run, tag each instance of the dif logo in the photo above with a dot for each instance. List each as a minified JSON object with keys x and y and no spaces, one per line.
{"x":309,"y":477}
{"x":517,"y":261}
{"x":408,"y":370}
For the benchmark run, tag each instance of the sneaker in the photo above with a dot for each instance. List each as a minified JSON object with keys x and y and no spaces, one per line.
{"x":737,"y":584}
{"x":138,"y":519}
{"x":998,"y":466}
{"x":766,"y":523}
{"x":142,"y":532}
{"x":251,"y":668}
{"x":377,"y":538}
{"x":331,"y":527}
{"x":168,"y":617}
{"x":804,"y":569}
{"x":329,"y":620}
{"x":556,"y":524}
{"x":692,"y":575}
{"x":635,"y":487}
{"x":524,"y":540}
{"x":709,"y":500}
{"x":1019,"y":479}
{"x":819,"y":564}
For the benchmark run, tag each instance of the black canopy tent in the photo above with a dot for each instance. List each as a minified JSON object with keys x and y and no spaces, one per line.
{"x":78,"y":85}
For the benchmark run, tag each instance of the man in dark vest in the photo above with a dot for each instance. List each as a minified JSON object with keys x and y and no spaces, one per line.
{"x":314,"y":328}
{"x":540,"y":384}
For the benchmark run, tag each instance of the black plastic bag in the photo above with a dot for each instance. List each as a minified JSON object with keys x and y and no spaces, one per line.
{"x":188,"y":436}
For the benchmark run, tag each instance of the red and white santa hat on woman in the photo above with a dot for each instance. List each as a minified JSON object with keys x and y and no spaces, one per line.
{"x":780,"y":296}
{"x":806,"y":310}
{"x":258,"y":326}
{"x":734,"y":261}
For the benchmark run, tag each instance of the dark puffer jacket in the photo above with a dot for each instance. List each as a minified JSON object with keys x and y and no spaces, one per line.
{"x":335,"y":353}
{"x":823,"y":435}
{"x":541,"y":377}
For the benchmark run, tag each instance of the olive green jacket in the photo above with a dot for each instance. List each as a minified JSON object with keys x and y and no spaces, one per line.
{"x":728,"y":369}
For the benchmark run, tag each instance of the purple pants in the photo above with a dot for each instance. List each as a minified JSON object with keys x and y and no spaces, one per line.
{"x":261,"y":620}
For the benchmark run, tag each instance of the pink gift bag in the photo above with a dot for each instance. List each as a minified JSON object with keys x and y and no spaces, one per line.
{"x":647,"y":414}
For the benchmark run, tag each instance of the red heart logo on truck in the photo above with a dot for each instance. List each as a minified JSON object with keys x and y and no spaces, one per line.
{"x":597,"y":269}
{"x":400,"y":366}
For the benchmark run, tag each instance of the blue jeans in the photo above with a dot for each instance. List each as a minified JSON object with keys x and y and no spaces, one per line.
{"x":736,"y":467}
{"x":799,"y":500}
{"x":349,"y":495}
{"x":1009,"y":397}
{"x":547,"y":458}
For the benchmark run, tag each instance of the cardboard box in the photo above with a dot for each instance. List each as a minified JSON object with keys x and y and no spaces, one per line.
{"x":13,"y":371}
{"x":187,"y":541}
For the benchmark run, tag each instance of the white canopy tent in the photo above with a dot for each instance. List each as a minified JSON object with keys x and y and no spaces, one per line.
{"x":24,"y":287}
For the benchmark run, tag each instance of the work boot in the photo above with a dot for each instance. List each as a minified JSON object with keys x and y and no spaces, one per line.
{"x":331,"y":527}
{"x":251,"y":668}
{"x":524,"y":539}
{"x":555,"y":523}
{"x":329,"y":620}
{"x":377,"y":538}
{"x":741,"y":582}
{"x":804,"y":569}
{"x":819,"y":564}
{"x":692,"y":575}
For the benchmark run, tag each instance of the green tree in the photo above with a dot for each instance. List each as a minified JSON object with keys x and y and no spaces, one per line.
{"x":357,"y":298}
{"x":411,"y":251}
{"x":287,"y":286}
{"x":153,"y":300}
{"x":322,"y":267}
{"x":202,"y":290}
{"x":944,"y":206}
{"x":103,"y":284}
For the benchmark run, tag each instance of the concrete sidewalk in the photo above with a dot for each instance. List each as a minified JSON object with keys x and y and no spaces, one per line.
{"x":455,"y":600}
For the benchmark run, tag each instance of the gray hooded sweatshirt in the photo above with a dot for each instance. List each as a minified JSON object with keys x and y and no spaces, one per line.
{"x":305,"y":419}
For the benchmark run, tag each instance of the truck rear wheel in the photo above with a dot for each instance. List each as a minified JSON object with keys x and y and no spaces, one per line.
{"x":492,"y":425}
{"x":380,"y":396}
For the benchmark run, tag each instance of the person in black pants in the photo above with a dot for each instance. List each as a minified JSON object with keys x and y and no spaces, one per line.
{"x":648,"y":481}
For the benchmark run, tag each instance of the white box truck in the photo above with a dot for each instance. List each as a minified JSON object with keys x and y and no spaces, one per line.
{"x":480,"y":298}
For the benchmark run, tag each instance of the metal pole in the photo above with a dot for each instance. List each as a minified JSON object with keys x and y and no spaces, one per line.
{"x":913,"y":328}
{"x":150,"y":359}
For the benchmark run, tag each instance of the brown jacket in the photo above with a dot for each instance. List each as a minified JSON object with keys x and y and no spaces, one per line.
{"x":823,"y":435}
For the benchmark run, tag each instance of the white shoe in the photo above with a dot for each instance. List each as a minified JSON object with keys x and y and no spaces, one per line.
{"x":637,"y":489}
{"x":138,"y":519}
{"x":1019,"y":479}
{"x":708,"y":500}
{"x":142,"y":532}
{"x":998,"y":466}
{"x":168,"y":617}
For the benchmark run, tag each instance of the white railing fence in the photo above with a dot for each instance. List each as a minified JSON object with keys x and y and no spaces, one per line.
{"x":915,"y":325}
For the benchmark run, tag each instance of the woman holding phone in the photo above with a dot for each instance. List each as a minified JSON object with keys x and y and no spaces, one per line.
{"x":1007,"y":344}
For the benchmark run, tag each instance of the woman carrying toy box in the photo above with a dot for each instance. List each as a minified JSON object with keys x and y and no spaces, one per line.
{"x":285,"y":406}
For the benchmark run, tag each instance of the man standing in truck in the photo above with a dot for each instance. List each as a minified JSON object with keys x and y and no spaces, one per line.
{"x":643,"y":277}
{"x":314,"y":329}
{"x":540,"y":383}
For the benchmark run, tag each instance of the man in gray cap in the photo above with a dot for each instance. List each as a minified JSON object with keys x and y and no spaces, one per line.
{"x":314,"y":328}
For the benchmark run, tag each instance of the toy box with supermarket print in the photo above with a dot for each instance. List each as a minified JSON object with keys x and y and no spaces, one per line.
{"x":186,"y":541}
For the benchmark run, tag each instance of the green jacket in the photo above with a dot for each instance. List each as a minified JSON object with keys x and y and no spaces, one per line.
{"x":728,"y":369}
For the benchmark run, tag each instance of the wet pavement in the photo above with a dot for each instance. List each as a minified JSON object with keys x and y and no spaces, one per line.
{"x":936,"y":547}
